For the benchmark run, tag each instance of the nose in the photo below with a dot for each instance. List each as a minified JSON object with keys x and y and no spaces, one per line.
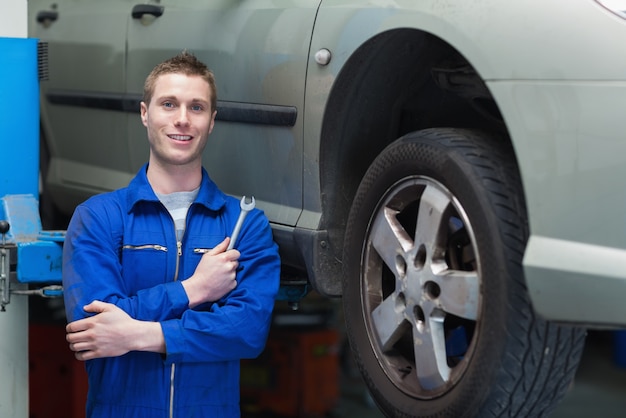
{"x":182,"y":118}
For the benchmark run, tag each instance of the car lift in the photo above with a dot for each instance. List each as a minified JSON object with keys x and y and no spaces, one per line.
{"x":30,"y":259}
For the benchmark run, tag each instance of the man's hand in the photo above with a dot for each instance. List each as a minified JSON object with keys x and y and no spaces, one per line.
{"x":111,"y":333}
{"x":214,"y":276}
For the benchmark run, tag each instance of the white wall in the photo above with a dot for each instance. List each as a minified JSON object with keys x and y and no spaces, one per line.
{"x":13,"y":18}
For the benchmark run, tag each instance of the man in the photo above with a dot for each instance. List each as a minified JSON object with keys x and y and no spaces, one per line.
{"x":159,"y":308}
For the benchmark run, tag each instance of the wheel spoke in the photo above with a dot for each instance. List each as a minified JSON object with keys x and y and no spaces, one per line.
{"x":389,"y":322}
{"x":432,"y":212}
{"x":430,"y":353}
{"x":389,"y":237}
{"x":459,"y":293}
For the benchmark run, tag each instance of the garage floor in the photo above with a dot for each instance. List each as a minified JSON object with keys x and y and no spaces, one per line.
{"x":599,"y":389}
{"x":600,"y":386}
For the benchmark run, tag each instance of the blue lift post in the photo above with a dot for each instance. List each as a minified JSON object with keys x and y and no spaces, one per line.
{"x":29,"y":257}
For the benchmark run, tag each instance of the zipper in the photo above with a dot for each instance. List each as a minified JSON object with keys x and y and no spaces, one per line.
{"x":145,"y":247}
{"x":179,"y":253}
{"x":172,"y":373}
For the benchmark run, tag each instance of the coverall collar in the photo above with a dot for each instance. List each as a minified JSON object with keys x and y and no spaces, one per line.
{"x":139,"y":189}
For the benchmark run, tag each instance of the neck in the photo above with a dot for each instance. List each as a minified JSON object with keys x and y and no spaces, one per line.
{"x":173,"y":179}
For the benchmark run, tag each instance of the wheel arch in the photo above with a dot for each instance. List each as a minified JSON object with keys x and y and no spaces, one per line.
{"x":398,"y":81}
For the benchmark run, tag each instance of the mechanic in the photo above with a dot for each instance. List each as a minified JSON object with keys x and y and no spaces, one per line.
{"x":158,"y":306}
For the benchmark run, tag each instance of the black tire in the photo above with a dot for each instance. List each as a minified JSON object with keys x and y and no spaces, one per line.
{"x":432,"y":271}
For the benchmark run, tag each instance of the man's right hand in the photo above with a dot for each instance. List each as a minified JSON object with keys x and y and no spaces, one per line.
{"x":214,"y":276}
{"x":111,"y":333}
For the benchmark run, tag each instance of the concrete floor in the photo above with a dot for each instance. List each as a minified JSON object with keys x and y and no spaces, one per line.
{"x":599,"y":389}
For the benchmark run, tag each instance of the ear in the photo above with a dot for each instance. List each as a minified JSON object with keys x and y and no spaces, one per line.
{"x":212,"y":121}
{"x":144,"y":113}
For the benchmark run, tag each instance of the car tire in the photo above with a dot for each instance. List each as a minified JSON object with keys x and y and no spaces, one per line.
{"x":437,"y":312}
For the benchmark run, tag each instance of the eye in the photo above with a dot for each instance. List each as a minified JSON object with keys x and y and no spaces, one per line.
{"x":168,"y":105}
{"x":197,"y":108}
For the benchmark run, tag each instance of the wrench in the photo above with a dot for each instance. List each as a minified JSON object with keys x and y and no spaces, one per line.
{"x":245,"y":208}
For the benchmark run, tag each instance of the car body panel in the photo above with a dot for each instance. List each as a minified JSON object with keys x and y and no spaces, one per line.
{"x":469,"y":27}
{"x":93,"y":62}
{"x":588,"y":290}
{"x":572,"y":148}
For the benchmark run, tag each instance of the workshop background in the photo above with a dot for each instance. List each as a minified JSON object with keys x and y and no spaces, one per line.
{"x":306,"y":368}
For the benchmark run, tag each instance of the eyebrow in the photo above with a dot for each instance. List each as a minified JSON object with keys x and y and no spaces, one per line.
{"x":175,"y":99}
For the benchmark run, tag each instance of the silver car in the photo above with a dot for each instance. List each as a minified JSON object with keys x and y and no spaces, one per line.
{"x":453,"y":169}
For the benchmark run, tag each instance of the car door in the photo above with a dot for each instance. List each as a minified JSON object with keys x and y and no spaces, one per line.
{"x":258,"y":51}
{"x":81,"y":100}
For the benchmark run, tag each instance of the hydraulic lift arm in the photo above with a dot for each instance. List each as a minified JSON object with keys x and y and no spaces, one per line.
{"x":29,"y":256}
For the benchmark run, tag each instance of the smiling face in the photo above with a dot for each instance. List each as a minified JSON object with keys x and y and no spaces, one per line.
{"x":179,"y":119}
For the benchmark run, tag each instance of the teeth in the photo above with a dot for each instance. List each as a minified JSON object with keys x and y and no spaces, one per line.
{"x":180,"y":137}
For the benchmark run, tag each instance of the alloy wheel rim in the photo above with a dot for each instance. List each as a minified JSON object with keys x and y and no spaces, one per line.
{"x":420,"y":287}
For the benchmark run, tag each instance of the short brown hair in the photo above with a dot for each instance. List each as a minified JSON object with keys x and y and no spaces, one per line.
{"x":183,"y":63}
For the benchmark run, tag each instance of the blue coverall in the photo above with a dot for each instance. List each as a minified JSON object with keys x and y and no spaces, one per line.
{"x":121,"y":248}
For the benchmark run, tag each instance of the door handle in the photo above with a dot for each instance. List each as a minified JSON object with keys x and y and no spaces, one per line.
{"x":47,"y":16}
{"x":140,"y":10}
